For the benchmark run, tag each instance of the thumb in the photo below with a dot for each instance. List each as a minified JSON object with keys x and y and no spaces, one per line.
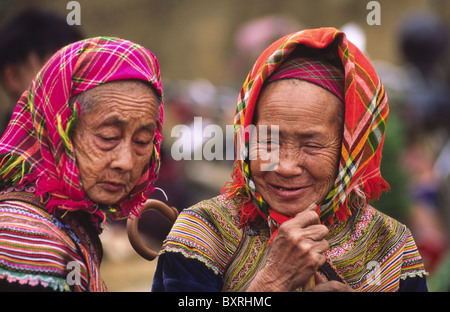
{"x":319,"y":279}
{"x":312,"y":207}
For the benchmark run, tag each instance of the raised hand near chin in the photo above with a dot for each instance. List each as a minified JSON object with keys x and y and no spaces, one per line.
{"x":296,"y":254}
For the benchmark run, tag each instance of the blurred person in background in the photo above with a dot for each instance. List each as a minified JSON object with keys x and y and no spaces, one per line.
{"x":26,"y":42}
{"x":424,"y":45}
{"x":252,"y":37}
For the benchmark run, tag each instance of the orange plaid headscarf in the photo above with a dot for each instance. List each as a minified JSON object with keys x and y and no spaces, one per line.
{"x":366,"y":110}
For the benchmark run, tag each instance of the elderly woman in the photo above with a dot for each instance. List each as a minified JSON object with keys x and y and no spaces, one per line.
{"x":82,"y":145}
{"x":305,"y":221}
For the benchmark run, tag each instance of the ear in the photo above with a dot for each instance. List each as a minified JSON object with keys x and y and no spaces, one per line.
{"x":10,"y":77}
{"x":17,"y":76}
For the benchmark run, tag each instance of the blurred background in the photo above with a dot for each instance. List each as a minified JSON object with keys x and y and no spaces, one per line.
{"x":206,"y":48}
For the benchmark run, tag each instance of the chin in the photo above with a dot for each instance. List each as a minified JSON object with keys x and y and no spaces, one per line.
{"x":292,"y":208}
{"x":106,"y":200}
{"x":289,"y":210}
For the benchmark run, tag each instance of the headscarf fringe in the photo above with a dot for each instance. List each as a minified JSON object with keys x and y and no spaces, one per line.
{"x":65,"y":134}
{"x":14,"y":171}
{"x":236,"y":190}
{"x":375,"y":187}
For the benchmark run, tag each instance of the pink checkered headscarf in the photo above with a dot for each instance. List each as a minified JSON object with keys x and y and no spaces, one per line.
{"x":36,"y":150}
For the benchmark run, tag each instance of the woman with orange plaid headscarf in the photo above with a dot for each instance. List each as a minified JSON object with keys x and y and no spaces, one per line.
{"x":302,"y":219}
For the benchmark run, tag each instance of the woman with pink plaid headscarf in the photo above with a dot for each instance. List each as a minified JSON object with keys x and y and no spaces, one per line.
{"x":82,"y":145}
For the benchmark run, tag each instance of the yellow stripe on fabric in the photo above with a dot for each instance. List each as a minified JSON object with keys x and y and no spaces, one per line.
{"x":9,"y":166}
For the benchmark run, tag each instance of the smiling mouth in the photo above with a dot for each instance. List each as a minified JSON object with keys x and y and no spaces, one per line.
{"x":287,"y":191}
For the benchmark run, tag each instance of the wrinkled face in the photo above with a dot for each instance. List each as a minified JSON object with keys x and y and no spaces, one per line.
{"x":310,"y":135}
{"x":113,"y":140}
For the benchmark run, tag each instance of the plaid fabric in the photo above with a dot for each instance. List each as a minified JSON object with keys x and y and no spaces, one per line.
{"x":366,"y":111}
{"x":37,"y":148}
{"x":315,"y":70}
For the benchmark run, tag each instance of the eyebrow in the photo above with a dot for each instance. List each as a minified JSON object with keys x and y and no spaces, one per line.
{"x":116,"y":121}
{"x":308,"y":135}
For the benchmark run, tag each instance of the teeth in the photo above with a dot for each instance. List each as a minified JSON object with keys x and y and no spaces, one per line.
{"x":286,"y":189}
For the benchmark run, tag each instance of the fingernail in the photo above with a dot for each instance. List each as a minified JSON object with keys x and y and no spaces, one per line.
{"x":312,"y":205}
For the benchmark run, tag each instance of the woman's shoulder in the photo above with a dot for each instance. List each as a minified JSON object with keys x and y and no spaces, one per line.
{"x":387,"y":226}
{"x":25,"y":218}
{"x":35,"y":248}
{"x":219,"y":210}
{"x":372,"y":239}
{"x":371,"y":217}
{"x":206,"y":231}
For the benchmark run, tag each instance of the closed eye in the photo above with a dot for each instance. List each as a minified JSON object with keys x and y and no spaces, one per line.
{"x":144,"y":137}
{"x":107,"y":143}
{"x":312,"y":145}
{"x":109,"y":138}
{"x":143,"y":143}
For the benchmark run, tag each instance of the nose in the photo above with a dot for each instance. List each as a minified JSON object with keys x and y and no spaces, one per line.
{"x":123,"y":158}
{"x":290,"y":163}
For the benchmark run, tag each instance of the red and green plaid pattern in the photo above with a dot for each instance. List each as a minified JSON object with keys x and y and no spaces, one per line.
{"x":317,"y":70}
{"x":36,"y":147}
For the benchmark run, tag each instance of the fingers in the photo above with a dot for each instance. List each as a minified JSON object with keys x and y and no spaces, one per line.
{"x":332,"y":286}
{"x":315,"y":232}
{"x":306,"y":241}
{"x":318,"y":278}
{"x":309,"y":221}
{"x":298,"y":249}
{"x":306,"y":232}
{"x":306,"y":217}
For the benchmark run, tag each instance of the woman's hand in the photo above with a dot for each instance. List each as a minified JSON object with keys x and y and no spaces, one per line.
{"x":329,"y":286}
{"x":297,"y":252}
